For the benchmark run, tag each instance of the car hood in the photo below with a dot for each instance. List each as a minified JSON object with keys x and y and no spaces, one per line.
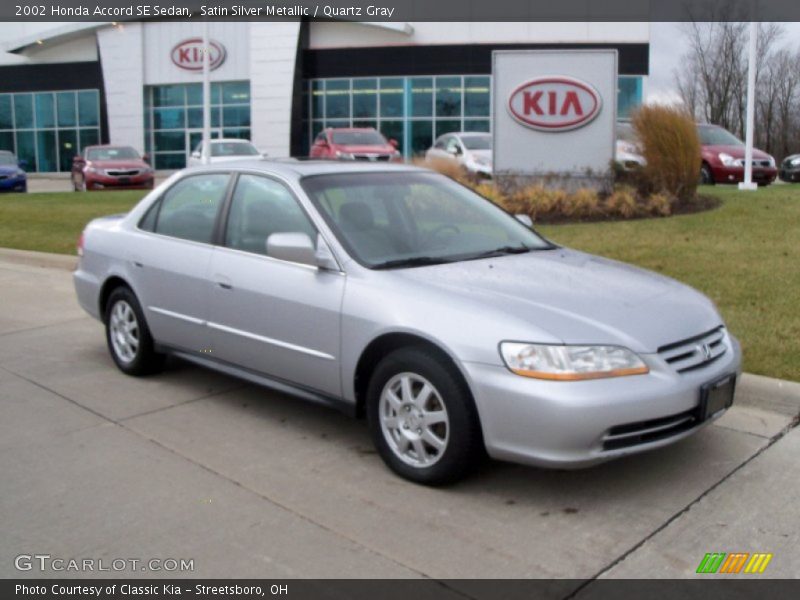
{"x":736,"y":151}
{"x":579,"y":298}
{"x":8,"y":169}
{"x":487,"y":154}
{"x":119,"y":164}
{"x":362,"y":149}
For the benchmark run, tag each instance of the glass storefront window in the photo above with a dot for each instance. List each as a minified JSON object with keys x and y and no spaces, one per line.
{"x":23,"y":111}
{"x":422,"y":97}
{"x":88,"y":109}
{"x":337,"y":99}
{"x":477,"y":125}
{"x":40,"y":127}
{"x":629,"y":95}
{"x":421,"y":136}
{"x":174,"y":118}
{"x":446,"y":126}
{"x":365,"y":98}
{"x":45,"y":111}
{"x":448,"y":96}
{"x":476,"y":96}
{"x":67,"y":111}
{"x":391,"y":97}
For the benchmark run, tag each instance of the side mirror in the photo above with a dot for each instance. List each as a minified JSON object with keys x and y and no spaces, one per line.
{"x":146,"y":158}
{"x":22,"y":163}
{"x":292,"y":247}
{"x":524,"y":219}
{"x":196,"y":154}
{"x":77,"y":158}
{"x":393,"y":143}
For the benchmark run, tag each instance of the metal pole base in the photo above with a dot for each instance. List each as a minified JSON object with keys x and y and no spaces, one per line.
{"x":750,"y":187}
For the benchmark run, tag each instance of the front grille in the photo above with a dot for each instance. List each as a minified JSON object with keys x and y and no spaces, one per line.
{"x":372,"y":157}
{"x":644,"y":432}
{"x":756,"y":163}
{"x":695,"y":352}
{"x":122,"y":172}
{"x":2,"y":177}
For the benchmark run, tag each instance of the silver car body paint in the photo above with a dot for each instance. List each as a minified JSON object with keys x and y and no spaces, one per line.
{"x":302,"y":329}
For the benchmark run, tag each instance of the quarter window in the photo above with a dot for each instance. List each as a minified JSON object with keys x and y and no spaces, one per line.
{"x":259,"y":208}
{"x":189,"y":208}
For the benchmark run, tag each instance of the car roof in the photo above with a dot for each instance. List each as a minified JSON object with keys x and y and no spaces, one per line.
{"x":6,"y":152}
{"x":348,"y":129}
{"x":107,"y":146}
{"x":297,"y":169}
{"x":229,"y":140}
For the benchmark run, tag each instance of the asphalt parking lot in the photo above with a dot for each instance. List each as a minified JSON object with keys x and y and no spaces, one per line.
{"x":249,"y":483}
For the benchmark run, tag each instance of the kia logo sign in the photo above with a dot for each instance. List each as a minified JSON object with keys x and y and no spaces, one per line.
{"x":554,"y":103}
{"x":188,"y":54}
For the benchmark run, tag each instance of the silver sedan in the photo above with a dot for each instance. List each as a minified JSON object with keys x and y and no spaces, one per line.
{"x":397,"y":294}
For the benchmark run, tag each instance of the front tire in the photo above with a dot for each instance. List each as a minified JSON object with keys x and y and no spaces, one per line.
{"x":128,"y":337}
{"x":706,"y":175}
{"x":422,"y":417}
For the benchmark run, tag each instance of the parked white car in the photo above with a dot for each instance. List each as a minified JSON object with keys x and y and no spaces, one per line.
{"x":225,"y":150}
{"x":471,"y":149}
{"x":628,"y":149}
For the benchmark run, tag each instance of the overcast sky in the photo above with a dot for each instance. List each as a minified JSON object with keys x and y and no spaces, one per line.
{"x":668,"y":44}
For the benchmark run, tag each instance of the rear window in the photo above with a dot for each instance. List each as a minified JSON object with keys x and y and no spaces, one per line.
{"x":358,"y":138}
{"x":717,"y":136}
{"x":233,"y":149}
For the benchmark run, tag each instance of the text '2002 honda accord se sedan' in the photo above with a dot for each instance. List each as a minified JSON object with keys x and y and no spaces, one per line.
{"x":396,"y":293}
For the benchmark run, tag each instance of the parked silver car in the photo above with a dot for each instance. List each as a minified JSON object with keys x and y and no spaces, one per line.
{"x":396,"y":293}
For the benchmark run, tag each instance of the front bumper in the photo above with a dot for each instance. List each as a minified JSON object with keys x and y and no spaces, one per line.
{"x":14,"y":184}
{"x":569,"y":424}
{"x":736,"y":174}
{"x":137,"y":182}
{"x":790,"y":174}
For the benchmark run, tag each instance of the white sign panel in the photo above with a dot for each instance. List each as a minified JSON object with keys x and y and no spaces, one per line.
{"x":555,"y":111}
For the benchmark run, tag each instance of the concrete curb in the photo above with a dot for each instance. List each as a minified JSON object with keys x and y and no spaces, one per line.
{"x":775,"y":395}
{"x":39,"y":259}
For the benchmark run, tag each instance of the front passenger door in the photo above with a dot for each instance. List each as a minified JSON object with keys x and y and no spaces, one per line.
{"x":275,"y":317}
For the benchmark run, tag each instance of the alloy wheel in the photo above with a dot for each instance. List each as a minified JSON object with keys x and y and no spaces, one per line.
{"x":124,"y":331}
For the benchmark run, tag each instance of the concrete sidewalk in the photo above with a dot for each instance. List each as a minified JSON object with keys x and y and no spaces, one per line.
{"x":249,"y":483}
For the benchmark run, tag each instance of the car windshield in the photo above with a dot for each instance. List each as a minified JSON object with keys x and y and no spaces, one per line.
{"x":233,"y":149}
{"x":399,"y":219}
{"x":625,"y":132}
{"x":8,"y":159}
{"x":358,"y":138}
{"x":112,"y":153}
{"x":717,"y":136}
{"x":477,"y":142}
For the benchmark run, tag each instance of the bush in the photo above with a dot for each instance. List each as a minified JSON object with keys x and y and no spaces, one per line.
{"x":670,"y":146}
{"x":622,"y":203}
{"x":659,"y":204}
{"x":583,"y":203}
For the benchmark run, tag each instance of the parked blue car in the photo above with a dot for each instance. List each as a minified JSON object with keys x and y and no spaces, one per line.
{"x":12,"y":177}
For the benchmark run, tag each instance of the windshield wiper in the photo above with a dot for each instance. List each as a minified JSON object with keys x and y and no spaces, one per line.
{"x":414,"y":261}
{"x":501,"y":251}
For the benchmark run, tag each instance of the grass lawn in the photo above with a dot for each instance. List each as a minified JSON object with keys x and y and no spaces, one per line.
{"x":745,"y":255}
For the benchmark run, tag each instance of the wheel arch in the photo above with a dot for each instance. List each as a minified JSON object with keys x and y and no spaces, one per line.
{"x":385,"y":344}
{"x":109,"y":285}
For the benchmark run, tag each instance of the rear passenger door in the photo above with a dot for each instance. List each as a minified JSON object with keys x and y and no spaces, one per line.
{"x":273,"y":316}
{"x":172,"y":258}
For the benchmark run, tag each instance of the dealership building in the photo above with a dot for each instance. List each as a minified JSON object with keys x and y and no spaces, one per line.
{"x":64,"y":86}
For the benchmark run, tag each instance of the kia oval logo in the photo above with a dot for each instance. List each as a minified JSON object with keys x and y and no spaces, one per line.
{"x":188,"y":54}
{"x":554,"y":103}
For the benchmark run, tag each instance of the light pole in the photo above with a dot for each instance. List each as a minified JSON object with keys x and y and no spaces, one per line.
{"x":748,"y":184}
{"x":206,"y":144}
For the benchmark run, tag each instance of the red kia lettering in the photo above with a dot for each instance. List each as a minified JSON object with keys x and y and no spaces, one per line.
{"x":554,"y":103}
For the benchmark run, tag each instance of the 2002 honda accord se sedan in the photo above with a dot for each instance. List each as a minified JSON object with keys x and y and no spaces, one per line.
{"x":394,"y":292}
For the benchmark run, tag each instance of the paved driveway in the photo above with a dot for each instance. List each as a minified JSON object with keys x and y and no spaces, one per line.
{"x":249,"y":483}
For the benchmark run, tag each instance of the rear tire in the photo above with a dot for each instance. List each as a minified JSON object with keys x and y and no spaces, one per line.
{"x":128,"y":337}
{"x":422,"y":417}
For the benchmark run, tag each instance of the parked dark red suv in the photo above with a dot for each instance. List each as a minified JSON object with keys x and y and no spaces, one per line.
{"x":117,"y":167}
{"x":354,"y":143}
{"x":723,"y":158}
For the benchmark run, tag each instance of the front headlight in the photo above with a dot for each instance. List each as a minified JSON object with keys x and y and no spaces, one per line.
{"x":771,"y":161}
{"x":20,"y":173}
{"x":570,"y":363}
{"x":795,"y":162}
{"x":727,"y":159}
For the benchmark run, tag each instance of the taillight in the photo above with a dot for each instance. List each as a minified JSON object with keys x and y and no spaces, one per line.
{"x":80,"y":244}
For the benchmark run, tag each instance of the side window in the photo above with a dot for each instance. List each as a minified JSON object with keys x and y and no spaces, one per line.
{"x":320,"y":138}
{"x":453,"y":146}
{"x":148,"y":222}
{"x":259,"y":208}
{"x":189,"y":208}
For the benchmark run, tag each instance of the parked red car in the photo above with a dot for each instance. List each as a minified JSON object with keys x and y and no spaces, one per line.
{"x":723,"y":158}
{"x":354,"y":144}
{"x":106,"y":167}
